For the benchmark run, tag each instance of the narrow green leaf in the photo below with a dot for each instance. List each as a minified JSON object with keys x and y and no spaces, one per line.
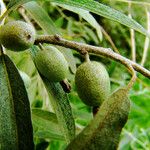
{"x":138,"y":2}
{"x":41,"y":17}
{"x":2,"y":11}
{"x":104,"y":130}
{"x":91,"y":34}
{"x":2,"y":7}
{"x":60,"y":103}
{"x":92,"y":6}
{"x":46,"y":134}
{"x":104,"y":11}
{"x":15,"y":3}
{"x":45,"y":115}
{"x":70,"y":58}
{"x":26,"y":79}
{"x":86,"y":16}
{"x":46,"y":125}
{"x":15,"y":119}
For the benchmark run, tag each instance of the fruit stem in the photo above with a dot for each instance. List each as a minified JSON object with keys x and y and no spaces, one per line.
{"x":133,"y":79}
{"x":87,"y":58}
{"x":65,"y":85}
{"x":95,"y":110}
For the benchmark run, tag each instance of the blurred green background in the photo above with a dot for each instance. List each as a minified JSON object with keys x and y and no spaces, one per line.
{"x":136,"y":133}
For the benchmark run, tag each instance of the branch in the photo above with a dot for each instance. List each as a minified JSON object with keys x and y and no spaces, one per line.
{"x":83,"y":48}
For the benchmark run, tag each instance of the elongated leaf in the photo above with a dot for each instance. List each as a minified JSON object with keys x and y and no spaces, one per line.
{"x":104,"y":11}
{"x":138,"y":2}
{"x":15,"y":3}
{"x":15,"y":119}
{"x":12,"y":5}
{"x":2,"y":10}
{"x":62,"y":108}
{"x":86,"y":16}
{"x":41,"y":17}
{"x":60,"y":103}
{"x":46,"y":134}
{"x":104,"y":130}
{"x":46,"y":125}
{"x":45,"y":115}
{"x":92,"y":6}
{"x":70,"y":58}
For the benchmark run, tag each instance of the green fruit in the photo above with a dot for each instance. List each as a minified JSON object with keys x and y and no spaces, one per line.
{"x":52,"y":64}
{"x":26,"y":79}
{"x":17,"y":35}
{"x":93,"y":83}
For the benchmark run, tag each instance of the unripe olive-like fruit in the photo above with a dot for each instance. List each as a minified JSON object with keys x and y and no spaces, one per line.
{"x":17,"y":35}
{"x":92,"y":82}
{"x":52,"y":64}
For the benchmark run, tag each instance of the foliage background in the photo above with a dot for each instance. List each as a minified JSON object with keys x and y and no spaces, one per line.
{"x":136,"y":133}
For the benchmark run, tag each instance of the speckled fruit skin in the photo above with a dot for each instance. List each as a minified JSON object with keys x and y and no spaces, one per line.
{"x":92,"y":83}
{"x":52,"y":64}
{"x":17,"y":35}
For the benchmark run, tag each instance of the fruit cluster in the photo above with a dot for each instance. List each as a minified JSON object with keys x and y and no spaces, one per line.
{"x":91,"y":79}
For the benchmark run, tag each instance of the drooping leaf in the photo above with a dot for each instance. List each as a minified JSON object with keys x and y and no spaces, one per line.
{"x":26,"y":79}
{"x":12,"y":5}
{"x":86,"y":16}
{"x":92,"y":6}
{"x":15,"y":3}
{"x":46,"y":125}
{"x":45,"y":115}
{"x":137,"y":2}
{"x":46,"y":134}
{"x":105,"y":11}
{"x":70,"y":58}
{"x":104,"y":130}
{"x":15,"y":119}
{"x":2,"y":10}
{"x":41,"y":17}
{"x":60,"y":104}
